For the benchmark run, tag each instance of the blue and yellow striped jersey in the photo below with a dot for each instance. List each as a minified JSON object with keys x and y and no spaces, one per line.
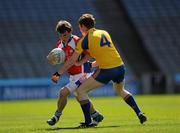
{"x":99,"y":45}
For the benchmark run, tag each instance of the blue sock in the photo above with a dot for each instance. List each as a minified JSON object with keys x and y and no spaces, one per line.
{"x":86,"y":111}
{"x":131,"y":102}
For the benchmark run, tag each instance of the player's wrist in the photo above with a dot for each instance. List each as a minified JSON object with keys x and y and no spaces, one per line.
{"x":57,"y":74}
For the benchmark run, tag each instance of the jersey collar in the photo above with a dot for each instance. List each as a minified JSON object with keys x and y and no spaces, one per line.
{"x":67,"y":41}
{"x":91,"y":30}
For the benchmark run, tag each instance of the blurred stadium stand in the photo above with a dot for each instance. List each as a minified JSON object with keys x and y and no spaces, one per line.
{"x":28,"y":33}
{"x":146,"y":32}
{"x":158,"y":23}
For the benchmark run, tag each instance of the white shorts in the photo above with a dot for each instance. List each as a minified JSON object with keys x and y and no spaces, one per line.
{"x":76,"y":80}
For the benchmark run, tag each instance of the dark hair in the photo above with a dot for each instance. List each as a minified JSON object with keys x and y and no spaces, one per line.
{"x":63,"y":26}
{"x":87,"y":20}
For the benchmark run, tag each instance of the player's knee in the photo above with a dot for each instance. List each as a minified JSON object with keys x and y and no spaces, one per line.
{"x":81,"y":95}
{"x":79,"y":92}
{"x":64,"y":92}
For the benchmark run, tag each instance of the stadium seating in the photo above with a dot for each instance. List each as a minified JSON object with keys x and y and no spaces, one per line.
{"x":158,"y":24}
{"x":28,"y":33}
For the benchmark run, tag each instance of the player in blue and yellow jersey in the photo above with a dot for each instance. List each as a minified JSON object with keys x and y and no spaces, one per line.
{"x":99,"y":45}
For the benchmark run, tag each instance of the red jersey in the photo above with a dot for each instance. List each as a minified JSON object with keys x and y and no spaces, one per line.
{"x":69,"y":50}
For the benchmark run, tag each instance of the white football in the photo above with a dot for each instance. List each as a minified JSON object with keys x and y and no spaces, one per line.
{"x":58,"y":56}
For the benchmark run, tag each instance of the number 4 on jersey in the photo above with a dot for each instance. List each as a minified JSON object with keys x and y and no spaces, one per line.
{"x":104,"y":41}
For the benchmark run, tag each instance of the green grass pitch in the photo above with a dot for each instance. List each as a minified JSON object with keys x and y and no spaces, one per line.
{"x":29,"y":116}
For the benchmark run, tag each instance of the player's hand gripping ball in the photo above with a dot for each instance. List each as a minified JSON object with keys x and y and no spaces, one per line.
{"x":56,"y":56}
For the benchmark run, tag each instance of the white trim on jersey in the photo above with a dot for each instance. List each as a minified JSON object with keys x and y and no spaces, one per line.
{"x":72,"y":44}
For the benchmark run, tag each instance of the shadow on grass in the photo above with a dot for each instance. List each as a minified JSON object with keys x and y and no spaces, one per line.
{"x":69,"y":128}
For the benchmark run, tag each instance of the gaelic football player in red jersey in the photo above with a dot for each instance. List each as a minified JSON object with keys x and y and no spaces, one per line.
{"x":78,"y":73}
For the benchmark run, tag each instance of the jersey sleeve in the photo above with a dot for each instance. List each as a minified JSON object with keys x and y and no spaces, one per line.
{"x":57,"y":44}
{"x":78,"y":48}
{"x":76,"y":39}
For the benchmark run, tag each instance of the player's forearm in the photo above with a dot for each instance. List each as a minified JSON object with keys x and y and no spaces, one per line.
{"x":68,"y":63}
{"x":66,"y":66}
